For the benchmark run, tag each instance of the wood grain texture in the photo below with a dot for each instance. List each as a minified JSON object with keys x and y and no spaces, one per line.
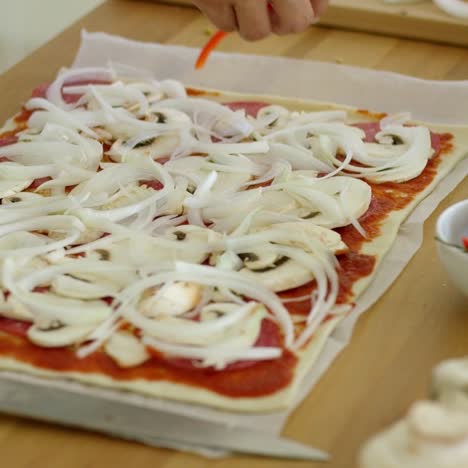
{"x":419,"y":321}
{"x":417,"y":21}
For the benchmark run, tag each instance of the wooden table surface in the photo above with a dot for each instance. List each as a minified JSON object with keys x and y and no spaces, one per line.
{"x":421,"y":320}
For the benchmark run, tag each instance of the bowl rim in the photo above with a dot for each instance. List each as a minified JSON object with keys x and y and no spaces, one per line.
{"x":442,"y":219}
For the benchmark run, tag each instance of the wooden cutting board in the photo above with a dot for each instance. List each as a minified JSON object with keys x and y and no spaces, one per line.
{"x":418,"y":21}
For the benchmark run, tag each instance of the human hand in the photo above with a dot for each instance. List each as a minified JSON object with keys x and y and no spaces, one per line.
{"x":256,"y":19}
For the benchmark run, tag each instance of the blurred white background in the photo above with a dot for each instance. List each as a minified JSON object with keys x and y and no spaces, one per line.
{"x":27,"y":24}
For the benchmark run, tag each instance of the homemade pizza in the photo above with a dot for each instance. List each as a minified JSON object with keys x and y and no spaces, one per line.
{"x":196,"y":245}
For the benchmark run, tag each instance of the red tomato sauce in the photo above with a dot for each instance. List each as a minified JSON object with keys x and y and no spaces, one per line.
{"x":251,"y":108}
{"x":353,"y":267}
{"x":153,"y":184}
{"x":13,"y":327}
{"x":38,"y":182}
{"x":370,"y":129}
{"x":239,"y":380}
{"x":269,"y":337}
{"x":23,"y":117}
{"x":41,"y":90}
{"x":8,"y":138}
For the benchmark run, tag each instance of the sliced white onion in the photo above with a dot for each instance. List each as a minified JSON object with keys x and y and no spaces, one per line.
{"x":53,"y":114}
{"x":183,"y":331}
{"x":254,"y":147}
{"x":68,"y":286}
{"x":395,"y":119}
{"x":213,"y":277}
{"x":218,"y":356}
{"x":224,"y":119}
{"x":69,"y":225}
{"x":107,"y":182}
{"x":58,"y":336}
{"x":11,"y":187}
{"x":54,"y":91}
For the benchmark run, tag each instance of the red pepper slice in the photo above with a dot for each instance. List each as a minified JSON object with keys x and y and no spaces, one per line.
{"x":465,"y":242}
{"x":215,"y":39}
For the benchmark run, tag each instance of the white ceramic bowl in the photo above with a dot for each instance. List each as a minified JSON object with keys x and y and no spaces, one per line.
{"x":452,"y":225}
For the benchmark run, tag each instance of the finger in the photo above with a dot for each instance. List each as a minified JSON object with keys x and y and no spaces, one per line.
{"x":253,"y":19}
{"x":291,"y":16}
{"x":319,"y":7}
{"x":221,"y":14}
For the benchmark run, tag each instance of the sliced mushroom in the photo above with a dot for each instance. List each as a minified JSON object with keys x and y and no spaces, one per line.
{"x":261,"y":260}
{"x":129,"y":195}
{"x":68,"y":310}
{"x":9,"y":188}
{"x":271,"y":118}
{"x":215,"y":310}
{"x":164,"y":115}
{"x":194,"y":243}
{"x":330,"y":239}
{"x":278,"y":202}
{"x":334,"y":201}
{"x":114,"y":279}
{"x":117,"y":279}
{"x":90,"y":235}
{"x":126,"y":349}
{"x":119,"y":253}
{"x":68,"y":286}
{"x":57,"y":335}
{"x":161,"y":145}
{"x":100,"y":254}
{"x":156,"y":147}
{"x":276,"y":272}
{"x":190,"y":233}
{"x":20,"y":197}
{"x":172,"y":299}
{"x":244,"y":333}
{"x":229,"y":181}
{"x":188,"y":246}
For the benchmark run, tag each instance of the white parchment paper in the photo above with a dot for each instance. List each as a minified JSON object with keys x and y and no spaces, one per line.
{"x":433,"y":101}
